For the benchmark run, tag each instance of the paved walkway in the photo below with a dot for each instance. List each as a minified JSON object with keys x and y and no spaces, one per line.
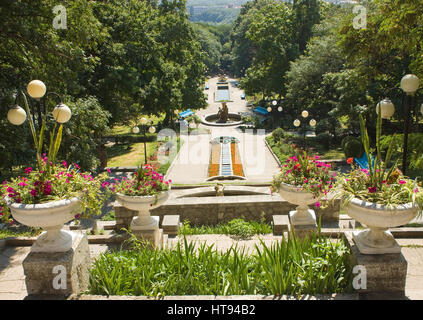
{"x":191,"y":165}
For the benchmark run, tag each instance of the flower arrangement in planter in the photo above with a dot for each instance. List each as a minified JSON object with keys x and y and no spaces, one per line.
{"x":53,"y":193}
{"x":146,"y":189}
{"x":303,"y":180}
{"x":379,"y":197}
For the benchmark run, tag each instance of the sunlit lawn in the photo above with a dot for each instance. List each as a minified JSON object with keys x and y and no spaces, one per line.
{"x":129,"y":155}
{"x":333,"y":154}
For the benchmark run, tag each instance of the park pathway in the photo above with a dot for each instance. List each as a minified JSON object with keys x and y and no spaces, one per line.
{"x":191,"y":165}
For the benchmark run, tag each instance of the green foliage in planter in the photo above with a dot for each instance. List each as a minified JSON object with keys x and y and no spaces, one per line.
{"x":290,"y":266}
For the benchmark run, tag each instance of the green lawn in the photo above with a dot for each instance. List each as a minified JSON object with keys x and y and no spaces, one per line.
{"x":129,"y":155}
{"x":21,"y":232}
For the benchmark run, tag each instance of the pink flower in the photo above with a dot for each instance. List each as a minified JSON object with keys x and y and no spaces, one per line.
{"x":317,"y":204}
{"x":64,"y":163}
{"x":28,"y":170}
{"x":365,"y":171}
{"x":108,"y":170}
{"x":402,"y":182}
{"x":77,"y":216}
{"x":33,"y":192}
{"x":372,"y":189}
{"x":416,"y":190}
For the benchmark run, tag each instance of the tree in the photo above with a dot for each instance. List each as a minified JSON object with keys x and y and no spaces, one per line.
{"x":270,"y":31}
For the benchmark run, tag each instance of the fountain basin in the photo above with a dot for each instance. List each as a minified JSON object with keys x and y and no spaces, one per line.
{"x":234,"y":119}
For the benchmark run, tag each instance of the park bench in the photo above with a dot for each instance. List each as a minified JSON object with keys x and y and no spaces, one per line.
{"x":186,"y":113}
{"x":261,"y":110}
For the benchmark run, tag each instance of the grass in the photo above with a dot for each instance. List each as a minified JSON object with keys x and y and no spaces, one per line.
{"x":283,"y":149}
{"x":235,"y":227}
{"x":129,"y":155}
{"x":109,"y":216}
{"x":292,"y":267}
{"x":20,"y":232}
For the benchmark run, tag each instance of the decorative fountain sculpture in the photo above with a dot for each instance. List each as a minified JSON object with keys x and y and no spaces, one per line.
{"x":219,"y":189}
{"x":222,"y":114}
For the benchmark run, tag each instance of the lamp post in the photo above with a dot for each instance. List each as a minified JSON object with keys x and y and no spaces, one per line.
{"x":410,"y":85}
{"x":151,"y":129}
{"x":17,"y":115}
{"x":304,"y":114}
{"x":273,"y":110}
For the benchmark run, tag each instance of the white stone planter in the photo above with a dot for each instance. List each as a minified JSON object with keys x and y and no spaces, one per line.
{"x":303,"y":215}
{"x":377,"y":239}
{"x":50,"y":216}
{"x":143,"y":204}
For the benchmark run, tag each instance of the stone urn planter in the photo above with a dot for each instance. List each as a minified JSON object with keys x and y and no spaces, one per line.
{"x":378,"y":218}
{"x":50,"y":216}
{"x":303,"y":215}
{"x":142,"y":204}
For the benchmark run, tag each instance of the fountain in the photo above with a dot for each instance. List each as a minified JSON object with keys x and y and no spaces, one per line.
{"x":222,"y":117}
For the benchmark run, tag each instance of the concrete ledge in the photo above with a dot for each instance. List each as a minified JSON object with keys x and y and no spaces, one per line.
{"x":341,"y":296}
{"x":280,"y":224}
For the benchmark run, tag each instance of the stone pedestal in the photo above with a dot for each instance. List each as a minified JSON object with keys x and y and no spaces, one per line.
{"x":58,"y":273}
{"x":280,"y":224}
{"x":123,"y":216}
{"x":148,"y":232}
{"x":170,"y":225}
{"x":302,"y":225}
{"x":302,"y":231}
{"x":384,"y":273}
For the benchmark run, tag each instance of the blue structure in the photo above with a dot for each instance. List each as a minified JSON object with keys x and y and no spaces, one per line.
{"x":362,"y":162}
{"x":206,"y":87}
{"x":243,"y":96}
{"x":186,"y":113}
{"x":261,"y":110}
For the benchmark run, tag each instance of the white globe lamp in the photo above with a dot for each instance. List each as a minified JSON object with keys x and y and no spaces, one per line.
{"x":62,"y":113}
{"x":16,"y":115}
{"x":387,"y":108}
{"x":36,"y":89}
{"x":410,"y":83}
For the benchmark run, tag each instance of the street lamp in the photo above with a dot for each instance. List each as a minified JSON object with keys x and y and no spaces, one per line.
{"x":297,"y":122}
{"x":387,"y":108}
{"x":151,"y":129}
{"x":273,"y":109}
{"x":409,"y":84}
{"x":17,"y":115}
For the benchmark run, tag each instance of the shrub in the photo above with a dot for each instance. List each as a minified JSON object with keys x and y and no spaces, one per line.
{"x":353,"y":148}
{"x":347,"y":139}
{"x":278,"y":134}
{"x":415,"y":148}
{"x":324,"y":139}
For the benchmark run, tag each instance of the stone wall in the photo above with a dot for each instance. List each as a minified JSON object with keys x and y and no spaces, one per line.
{"x":213,"y":210}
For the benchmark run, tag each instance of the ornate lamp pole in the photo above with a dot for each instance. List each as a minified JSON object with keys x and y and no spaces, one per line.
{"x":151,"y":129}
{"x":17,"y":115}
{"x":410,"y":85}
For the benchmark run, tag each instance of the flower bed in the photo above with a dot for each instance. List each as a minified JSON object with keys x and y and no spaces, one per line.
{"x":236,"y":160}
{"x":214,"y":165}
{"x":287,"y":267}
